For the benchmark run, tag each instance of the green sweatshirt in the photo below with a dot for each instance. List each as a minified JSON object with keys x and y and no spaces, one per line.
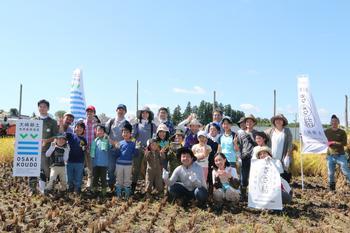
{"x":339,"y":136}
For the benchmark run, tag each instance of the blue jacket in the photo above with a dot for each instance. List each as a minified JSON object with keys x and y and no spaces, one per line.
{"x":127,"y":150}
{"x":99,"y":152}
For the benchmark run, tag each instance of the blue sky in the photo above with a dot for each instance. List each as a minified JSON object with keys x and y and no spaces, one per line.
{"x":179,"y":51}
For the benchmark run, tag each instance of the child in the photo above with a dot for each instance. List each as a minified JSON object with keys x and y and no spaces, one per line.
{"x":177,"y":143}
{"x":227,"y":142}
{"x":193,"y":126}
{"x":261,"y":140}
{"x":127,"y":149}
{"x":154,"y":167}
{"x":162,"y":138}
{"x":202,"y":151}
{"x":225,"y":180}
{"x":214,"y":132}
{"x":75,"y":165}
{"x":99,"y":154}
{"x":58,"y":152}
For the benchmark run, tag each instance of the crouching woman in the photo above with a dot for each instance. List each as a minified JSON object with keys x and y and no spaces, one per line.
{"x":187,"y":181}
{"x":225,"y":181}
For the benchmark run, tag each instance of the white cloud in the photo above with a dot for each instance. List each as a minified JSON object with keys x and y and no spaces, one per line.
{"x":196,"y":90}
{"x":249,"y":108}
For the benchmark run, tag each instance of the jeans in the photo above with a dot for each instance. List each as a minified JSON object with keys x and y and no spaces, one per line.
{"x":112,"y":158}
{"x":332,"y":161}
{"x":245,"y":169}
{"x":75,"y":176}
{"x":177,"y":190}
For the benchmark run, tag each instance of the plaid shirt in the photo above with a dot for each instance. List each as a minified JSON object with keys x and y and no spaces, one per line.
{"x":90,"y":131}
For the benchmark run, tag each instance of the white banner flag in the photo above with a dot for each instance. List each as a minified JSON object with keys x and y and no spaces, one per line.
{"x":312,"y":134}
{"x":77,"y":96}
{"x":27,"y":156}
{"x":264,"y":185}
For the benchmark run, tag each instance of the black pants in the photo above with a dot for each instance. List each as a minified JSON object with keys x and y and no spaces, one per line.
{"x":245,"y":169}
{"x":99,"y":174}
{"x":287,"y":176}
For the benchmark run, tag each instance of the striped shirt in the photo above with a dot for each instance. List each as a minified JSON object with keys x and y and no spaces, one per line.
{"x":90,"y":131}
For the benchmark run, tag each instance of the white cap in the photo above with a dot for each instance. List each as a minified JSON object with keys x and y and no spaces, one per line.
{"x":201,"y":133}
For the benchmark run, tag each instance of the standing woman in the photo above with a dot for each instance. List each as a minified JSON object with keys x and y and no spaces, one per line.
{"x":281,"y":143}
{"x":143,"y":130}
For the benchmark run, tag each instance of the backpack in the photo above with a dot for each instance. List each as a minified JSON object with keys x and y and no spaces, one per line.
{"x":137,"y":129}
{"x":111,"y":122}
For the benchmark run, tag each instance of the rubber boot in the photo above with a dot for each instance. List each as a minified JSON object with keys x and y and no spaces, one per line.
{"x":118,"y":191}
{"x":244,"y":196}
{"x":332,"y":187}
{"x":133,"y":188}
{"x":127,"y":192}
{"x":42,"y":185}
{"x":103,"y":192}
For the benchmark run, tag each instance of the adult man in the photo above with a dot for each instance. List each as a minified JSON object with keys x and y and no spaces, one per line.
{"x":49,"y":132}
{"x":246,"y":144}
{"x":217,"y":117}
{"x":66,"y":124}
{"x":337,"y":140}
{"x":162,"y":117}
{"x":114,"y":128}
{"x":90,"y":125}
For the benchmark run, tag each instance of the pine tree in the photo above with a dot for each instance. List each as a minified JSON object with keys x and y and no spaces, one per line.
{"x":188,"y":110}
{"x":177,"y":115}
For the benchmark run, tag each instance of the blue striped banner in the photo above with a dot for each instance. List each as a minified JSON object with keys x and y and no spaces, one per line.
{"x":78,"y":108}
{"x":77,"y":103}
{"x":27,"y":148}
{"x":27,"y":153}
{"x":76,"y":92}
{"x":28,"y":143}
{"x":76,"y":98}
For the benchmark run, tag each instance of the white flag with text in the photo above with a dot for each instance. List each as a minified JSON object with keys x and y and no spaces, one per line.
{"x":311,"y":130}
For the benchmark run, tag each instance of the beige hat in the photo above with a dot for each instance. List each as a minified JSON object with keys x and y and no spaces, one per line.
{"x":252,"y":117}
{"x":279,"y":116}
{"x":177,"y":132}
{"x":264,"y":148}
{"x":162,"y":127}
{"x":194,"y":122}
{"x":201,"y":133}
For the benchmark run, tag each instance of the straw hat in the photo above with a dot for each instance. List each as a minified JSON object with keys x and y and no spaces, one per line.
{"x":252,"y":117}
{"x":264,"y":148}
{"x":162,"y":127}
{"x":279,"y":116}
{"x":195,"y":122}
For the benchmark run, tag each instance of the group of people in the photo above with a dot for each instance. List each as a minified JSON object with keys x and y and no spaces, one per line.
{"x":189,"y":161}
